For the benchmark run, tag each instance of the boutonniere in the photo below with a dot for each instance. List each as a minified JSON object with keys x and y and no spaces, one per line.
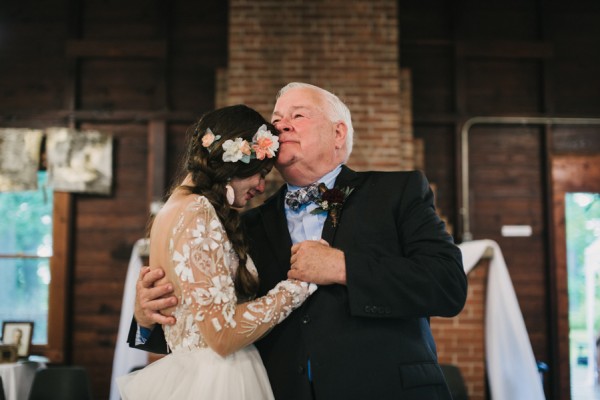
{"x":331,"y":201}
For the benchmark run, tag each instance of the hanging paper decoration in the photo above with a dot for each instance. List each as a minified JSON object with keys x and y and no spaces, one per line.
{"x":19,"y":158}
{"x":79,"y":161}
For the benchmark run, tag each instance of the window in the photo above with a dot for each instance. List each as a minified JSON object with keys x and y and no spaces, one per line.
{"x":582,"y":212}
{"x":32,"y":275}
{"x":26,"y":248}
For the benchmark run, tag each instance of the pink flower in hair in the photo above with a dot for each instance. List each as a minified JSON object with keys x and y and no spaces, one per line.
{"x":264,"y":143}
{"x":208,"y":138}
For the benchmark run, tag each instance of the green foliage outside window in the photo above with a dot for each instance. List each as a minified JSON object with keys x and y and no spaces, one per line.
{"x":583,"y":228}
{"x":26,"y":234}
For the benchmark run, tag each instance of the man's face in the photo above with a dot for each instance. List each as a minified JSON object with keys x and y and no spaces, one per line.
{"x":308,"y":139}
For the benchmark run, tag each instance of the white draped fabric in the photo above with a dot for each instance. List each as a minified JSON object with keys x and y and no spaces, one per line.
{"x":125,"y":357}
{"x":17,"y":378}
{"x":511,"y":365}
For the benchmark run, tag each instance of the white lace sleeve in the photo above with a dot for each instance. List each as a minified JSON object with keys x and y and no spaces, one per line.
{"x":205,"y":265}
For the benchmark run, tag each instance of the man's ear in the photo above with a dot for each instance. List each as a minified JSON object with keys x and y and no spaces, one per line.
{"x":341,"y":130}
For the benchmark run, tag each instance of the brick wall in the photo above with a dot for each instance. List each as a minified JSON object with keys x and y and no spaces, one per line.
{"x":461,"y":340}
{"x":349,"y":48}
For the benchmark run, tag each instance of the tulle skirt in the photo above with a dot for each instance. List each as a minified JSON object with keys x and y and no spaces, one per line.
{"x":200,"y":374}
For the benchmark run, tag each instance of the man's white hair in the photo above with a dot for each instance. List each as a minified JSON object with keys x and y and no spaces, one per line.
{"x":337,"y":110}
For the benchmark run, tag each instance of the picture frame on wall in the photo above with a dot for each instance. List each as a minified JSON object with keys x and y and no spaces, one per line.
{"x":20,"y":334}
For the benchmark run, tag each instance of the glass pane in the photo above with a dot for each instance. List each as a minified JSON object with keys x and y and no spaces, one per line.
{"x":583,"y":265}
{"x":24,"y":293}
{"x":26,"y":230}
{"x":27,"y":221}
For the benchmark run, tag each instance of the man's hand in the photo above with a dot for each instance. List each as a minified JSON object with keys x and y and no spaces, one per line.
{"x":316,"y":262}
{"x":151,"y":298}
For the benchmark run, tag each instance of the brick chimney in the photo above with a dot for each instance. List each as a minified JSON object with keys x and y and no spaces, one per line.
{"x":347,"y":47}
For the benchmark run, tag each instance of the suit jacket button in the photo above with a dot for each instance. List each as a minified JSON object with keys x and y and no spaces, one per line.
{"x":305,"y":319}
{"x":300,"y":369}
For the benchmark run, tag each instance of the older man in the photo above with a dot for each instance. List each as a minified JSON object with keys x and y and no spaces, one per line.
{"x":374,"y":244}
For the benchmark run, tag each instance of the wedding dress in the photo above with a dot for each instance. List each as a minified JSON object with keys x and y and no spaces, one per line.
{"x":202,"y":268}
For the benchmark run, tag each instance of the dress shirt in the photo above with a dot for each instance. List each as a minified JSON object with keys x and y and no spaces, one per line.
{"x":301,"y":223}
{"x":306,"y":226}
{"x":142,"y":335}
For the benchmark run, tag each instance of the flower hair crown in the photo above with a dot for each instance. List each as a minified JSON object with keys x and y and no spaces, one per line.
{"x":264,"y":144}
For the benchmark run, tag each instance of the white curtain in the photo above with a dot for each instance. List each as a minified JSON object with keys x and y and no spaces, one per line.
{"x":126,"y":357}
{"x":511,"y":365}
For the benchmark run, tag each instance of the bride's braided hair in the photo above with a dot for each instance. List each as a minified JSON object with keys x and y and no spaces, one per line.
{"x":210,"y":174}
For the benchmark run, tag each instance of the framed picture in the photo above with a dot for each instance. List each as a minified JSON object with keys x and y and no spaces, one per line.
{"x":18,"y":333}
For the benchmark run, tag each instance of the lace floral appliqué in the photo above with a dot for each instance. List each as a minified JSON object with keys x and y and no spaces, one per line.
{"x":205,"y":265}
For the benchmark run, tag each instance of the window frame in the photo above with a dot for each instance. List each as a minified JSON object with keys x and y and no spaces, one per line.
{"x":58,"y":300}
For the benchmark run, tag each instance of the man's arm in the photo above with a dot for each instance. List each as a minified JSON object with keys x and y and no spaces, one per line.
{"x":411,"y":270}
{"x":146,"y":331}
{"x":399,"y":261}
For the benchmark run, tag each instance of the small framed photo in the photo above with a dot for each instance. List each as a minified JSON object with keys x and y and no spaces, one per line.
{"x":18,"y":333}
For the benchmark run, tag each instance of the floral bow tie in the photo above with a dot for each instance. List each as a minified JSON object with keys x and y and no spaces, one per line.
{"x":304,"y":195}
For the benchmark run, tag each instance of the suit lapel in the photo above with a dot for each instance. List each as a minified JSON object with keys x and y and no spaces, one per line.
{"x":275,"y":226}
{"x":346,"y":178}
{"x":275,"y":222}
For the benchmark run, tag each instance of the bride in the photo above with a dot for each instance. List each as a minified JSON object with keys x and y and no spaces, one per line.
{"x":196,"y":239}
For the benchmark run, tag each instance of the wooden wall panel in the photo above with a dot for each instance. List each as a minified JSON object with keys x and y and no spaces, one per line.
{"x":432,"y":70}
{"x":32,"y":71}
{"x":508,"y":58}
{"x":576,"y":34}
{"x":198,"y":47}
{"x":499,"y":87}
{"x":509,"y":19}
{"x":113,"y":19}
{"x":438,"y":166}
{"x":507,"y":189}
{"x":108,"y":84}
{"x":176,"y":149}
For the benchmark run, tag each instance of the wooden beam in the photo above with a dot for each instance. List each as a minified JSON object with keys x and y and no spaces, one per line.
{"x":9,"y":116}
{"x":157,"y":144}
{"x":505,"y":49}
{"x":59,"y":287}
{"x":117,"y":48}
{"x":161,"y":97}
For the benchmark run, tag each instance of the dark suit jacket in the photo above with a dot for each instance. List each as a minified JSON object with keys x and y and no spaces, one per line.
{"x":371,"y":338}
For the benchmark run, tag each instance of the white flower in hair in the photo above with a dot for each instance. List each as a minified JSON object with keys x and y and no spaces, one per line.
{"x":236,"y":150}
{"x":264,"y":145}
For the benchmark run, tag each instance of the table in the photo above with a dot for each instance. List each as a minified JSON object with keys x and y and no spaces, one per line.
{"x":17,"y":378}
